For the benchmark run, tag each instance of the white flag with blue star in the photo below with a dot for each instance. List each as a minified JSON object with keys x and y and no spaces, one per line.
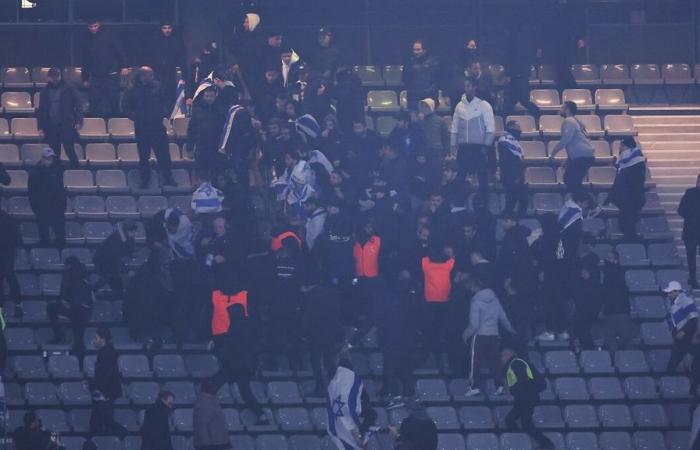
{"x":344,"y":407}
{"x":180,"y":107}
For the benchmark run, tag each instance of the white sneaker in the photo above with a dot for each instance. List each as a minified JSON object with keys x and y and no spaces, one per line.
{"x":546,"y":336}
{"x":500,"y":391}
{"x":473,"y":392}
{"x":564,"y":336}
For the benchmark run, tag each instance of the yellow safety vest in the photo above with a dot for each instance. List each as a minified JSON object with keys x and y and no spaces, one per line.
{"x":512,"y":378}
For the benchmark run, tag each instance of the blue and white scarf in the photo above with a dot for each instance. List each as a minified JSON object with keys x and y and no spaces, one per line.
{"x":205,"y":83}
{"x":344,"y":408}
{"x":207,"y":199}
{"x":180,"y":107}
{"x":569,"y":214}
{"x":512,"y":144}
{"x":628,"y":158}
{"x":681,"y":311}
{"x":230,"y":117}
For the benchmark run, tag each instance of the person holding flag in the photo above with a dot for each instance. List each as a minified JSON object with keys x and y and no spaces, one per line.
{"x":237,"y":141}
{"x":510,"y":156}
{"x":349,"y":413}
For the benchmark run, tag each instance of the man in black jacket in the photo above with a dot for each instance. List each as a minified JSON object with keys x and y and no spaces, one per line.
{"x":47,"y":197}
{"x":617,"y":323}
{"x":75,"y":303}
{"x":10,"y":239}
{"x":204,"y":130}
{"x":108,"y":257}
{"x":510,"y":157}
{"x":142,"y":103}
{"x":421,"y":75}
{"x":689,"y":210}
{"x":155,"y":431}
{"x":324,"y":59}
{"x":167,"y":53}
{"x":104,"y":61}
{"x":517,"y":74}
{"x":106,"y":387}
{"x":627,"y":192}
{"x":59,"y":115}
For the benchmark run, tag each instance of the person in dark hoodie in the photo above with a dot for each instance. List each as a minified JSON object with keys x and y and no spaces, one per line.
{"x":317,"y":99}
{"x":510,"y":157}
{"x":689,"y":210}
{"x":246,"y":47}
{"x":155,"y":431}
{"x":270,"y":87}
{"x":106,"y":386}
{"x":47,"y":197}
{"x":75,"y":303}
{"x":59,"y":115}
{"x":617,"y":323}
{"x":10,"y":240}
{"x":325,"y":57}
{"x":108,"y":257}
{"x":201,"y":67}
{"x":237,"y":357}
{"x":485,"y":225}
{"x":407,"y":137}
{"x":587,"y":294}
{"x":167,"y":52}
{"x":514,"y":245}
{"x":204,"y":130}
{"x":421,"y":75}
{"x":104,"y":61}
{"x":209,"y":425}
{"x":627,"y":192}
{"x":350,"y":97}
{"x":142,"y":103}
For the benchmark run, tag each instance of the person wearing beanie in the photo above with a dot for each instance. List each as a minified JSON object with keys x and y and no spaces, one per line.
{"x":627,"y":192}
{"x":245,"y":49}
{"x":437,"y":136}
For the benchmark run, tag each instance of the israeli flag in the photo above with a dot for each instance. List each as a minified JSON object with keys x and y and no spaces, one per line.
{"x":344,"y":408}
{"x":628,"y":158}
{"x":180,"y":108}
{"x":205,"y":83}
{"x":512,"y":145}
{"x":569,"y":214}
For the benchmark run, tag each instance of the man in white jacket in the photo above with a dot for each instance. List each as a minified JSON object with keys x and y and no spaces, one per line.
{"x":472,"y":133}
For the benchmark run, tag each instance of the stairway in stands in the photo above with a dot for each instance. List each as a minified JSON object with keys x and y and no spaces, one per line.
{"x":671,"y":144}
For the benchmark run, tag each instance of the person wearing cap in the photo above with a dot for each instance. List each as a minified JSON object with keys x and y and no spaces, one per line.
{"x":421,"y":74}
{"x":512,"y":174}
{"x":324,"y":58}
{"x":104,"y":63}
{"x":47,"y":197}
{"x":689,"y":210}
{"x":627,"y":192}
{"x":166,"y":54}
{"x":682,"y":318}
{"x":435,"y":131}
{"x":579,"y":150}
{"x":59,"y":115}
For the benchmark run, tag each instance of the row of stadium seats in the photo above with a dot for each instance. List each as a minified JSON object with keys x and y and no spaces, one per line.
{"x":94,"y":128}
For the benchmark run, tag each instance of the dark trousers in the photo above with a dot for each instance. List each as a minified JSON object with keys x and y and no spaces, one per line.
{"x":104,"y":95}
{"x":485,"y":351}
{"x":679,"y":349}
{"x":583,"y":326}
{"x":7,"y":273}
{"x":158,"y":141}
{"x":516,"y":197}
{"x":111,"y":276}
{"x":52,"y":220}
{"x":554,"y":302}
{"x":78,"y":317}
{"x":522,"y":411}
{"x":576,"y":171}
{"x":436,"y":315}
{"x":322,"y":355}
{"x":102,"y":419}
{"x":57,"y":135}
{"x":472,"y":159}
{"x":518,"y":91}
{"x":398,"y":374}
{"x":691,"y":251}
{"x":627,"y":221}
{"x":283,"y":334}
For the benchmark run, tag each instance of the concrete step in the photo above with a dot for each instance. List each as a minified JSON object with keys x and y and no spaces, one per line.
{"x":652,"y":145}
{"x":663,"y":159}
{"x":668,"y":128}
{"x":670,"y":197}
{"x":674,"y":171}
{"x":665,"y":187}
{"x":670,"y":119}
{"x":666,"y":137}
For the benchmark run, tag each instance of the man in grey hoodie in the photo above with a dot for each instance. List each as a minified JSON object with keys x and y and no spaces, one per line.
{"x":485,"y":315}
{"x":579,"y":150}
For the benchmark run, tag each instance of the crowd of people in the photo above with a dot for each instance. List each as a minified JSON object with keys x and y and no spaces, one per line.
{"x":393,"y":237}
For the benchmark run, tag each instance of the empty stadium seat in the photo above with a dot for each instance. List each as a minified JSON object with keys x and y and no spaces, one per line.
{"x":619,"y":125}
{"x":90,"y":207}
{"x":649,"y":416}
{"x":9,"y":155}
{"x":183,"y":390}
{"x":432,"y":390}
{"x":646,"y":74}
{"x":547,"y":100}
{"x":640,"y":388}
{"x":632,"y":255}
{"x":655,"y":334}
{"x":294,"y":419}
{"x":385,"y":124}
{"x":74,"y":393}
{"x":561,"y":362}
{"x":582,"y":98}
{"x":382,"y":101}
{"x":534,"y":151}
{"x":17,"y":103}
{"x":128,"y":154}
{"x":96,"y":232}
{"x":133,"y":178}
{"x":547,"y":202}
{"x":45,"y":259}
{"x":540,"y":177}
{"x":25,"y":128}
{"x":134,"y":366}
{"x":606,"y":388}
{"x":592,"y":125}
{"x":615,"y":75}
{"x":79,"y":181}
{"x":550,"y":125}
{"x":16,"y":78}
{"x":40,"y":76}
{"x":580,"y":416}
{"x":371,"y":76}
{"x":677,"y":74}
{"x":201,"y":366}
{"x":111,"y":181}
{"x":30,"y":367}
{"x":121,"y":128}
{"x":571,"y":389}
{"x":122,"y":207}
{"x":586,"y":74}
{"x":169,"y":366}
{"x":392,"y":75}
{"x":476,"y":418}
{"x":445,"y":417}
{"x":527,"y":125}
{"x":20,"y":339}
{"x":101,"y":154}
{"x":601,"y":152}
{"x":93,"y":128}
{"x":143,"y":392}
{"x":615,"y":416}
{"x":654,"y":228}
{"x":611,"y":100}
{"x":674,"y":387}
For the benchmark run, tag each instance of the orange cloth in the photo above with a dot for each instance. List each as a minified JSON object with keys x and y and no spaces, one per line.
{"x":220,"y":303}
{"x":276,"y":243}
{"x":436,"y":277}
{"x":367,"y":257}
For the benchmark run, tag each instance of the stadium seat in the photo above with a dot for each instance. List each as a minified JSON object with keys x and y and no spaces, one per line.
{"x":96,"y":232}
{"x":527,"y":125}
{"x":34,"y":312}
{"x":9,"y":155}
{"x":571,"y":389}
{"x":294,"y":419}
{"x":392,"y":75}
{"x":134,"y":366}
{"x":45,"y":259}
{"x":586,"y":74}
{"x":148,"y":205}
{"x":179,"y":127}
{"x":615,"y":75}
{"x":602,"y":177}
{"x":679,"y":416}
{"x":128,"y":154}
{"x":385,"y":124}
{"x":445,"y":417}
{"x":169,"y":366}
{"x":674,"y":387}
{"x":50,"y":284}
{"x":582,"y":98}
{"x":534,"y":152}
{"x":654,"y":228}
{"x":17,"y":103}
{"x":121,"y":128}
{"x":611,"y":100}
{"x":182,"y":179}
{"x":111,"y":182}
{"x":561,"y":362}
{"x":649,"y":416}
{"x":143,"y":392}
{"x":649,"y":308}
{"x":646,"y":74}
{"x":20,"y":339}
{"x":382,"y":101}
{"x":641,"y":281}
{"x":90,"y":207}
{"x":630,"y":361}
{"x":550,"y":126}
{"x":546,"y":99}
{"x":664,"y":254}
{"x":122,"y":207}
{"x":615,"y":416}
{"x":592,"y":125}
{"x":547,"y":202}
{"x":53,"y":419}
{"x":606,"y":389}
{"x":201,"y":366}
{"x":29,"y":284}
{"x":40,"y":76}
{"x":30,"y":367}
{"x":101,"y":154}
{"x":79,"y":181}
{"x":25,"y":128}
{"x":5,"y":133}
{"x":619,"y":126}
{"x":540,"y":177}
{"x":16,"y":78}
{"x":476,"y":418}
{"x":596,"y":362}
{"x":601,"y":152}
{"x":370,"y":76}
{"x":74,"y":393}
{"x":580,"y":416}
{"x":133,"y":179}
{"x":632,"y":255}
{"x":19,"y":208}
{"x":655,"y":334}
{"x":481,"y":441}
{"x":93,"y":128}
{"x":640,"y":388}
{"x":183,"y":390}
{"x":432,"y":390}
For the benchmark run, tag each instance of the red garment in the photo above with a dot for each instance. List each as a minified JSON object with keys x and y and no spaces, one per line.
{"x":220,"y":302}
{"x":436,"y":277}
{"x":276,"y":243}
{"x":367,"y":257}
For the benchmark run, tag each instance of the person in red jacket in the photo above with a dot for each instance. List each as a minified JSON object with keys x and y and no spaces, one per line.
{"x":437,"y":285}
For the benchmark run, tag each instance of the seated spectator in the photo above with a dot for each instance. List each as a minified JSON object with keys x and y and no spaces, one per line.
{"x":75,"y":304}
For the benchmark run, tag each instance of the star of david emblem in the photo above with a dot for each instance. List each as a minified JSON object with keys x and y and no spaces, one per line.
{"x":337,"y":407}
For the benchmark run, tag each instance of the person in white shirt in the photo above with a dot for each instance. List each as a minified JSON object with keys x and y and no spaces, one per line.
{"x":473,"y":128}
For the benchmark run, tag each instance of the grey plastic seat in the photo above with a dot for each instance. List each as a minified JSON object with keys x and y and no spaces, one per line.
{"x":482,"y":441}
{"x":18,"y":181}
{"x":679,"y":415}
{"x":93,"y":128}
{"x":655,"y":334}
{"x":371,"y":76}
{"x":392,"y":75}
{"x":143,"y":392}
{"x":134,"y":366}
{"x":632,"y":255}
{"x":631,"y":361}
{"x":294,"y":419}
{"x":601,"y":152}
{"x":677,"y":440}
{"x":45,"y":259}
{"x":96,"y":232}
{"x":550,"y":125}
{"x":133,"y":179}
{"x":121,"y":128}
{"x":9,"y":155}
{"x":615,"y":440}
{"x":677,"y":74}
{"x":382,"y":101}
{"x":40,"y":394}
{"x":271,"y":442}
{"x":649,"y":440}
{"x":654,"y":228}
{"x":74,"y":393}
{"x":128,"y":154}
{"x":602,"y":177}
{"x":123,"y":341}
{"x":19,"y":208}
{"x":182,"y":178}
{"x":74,"y":233}
{"x":149,"y":205}
{"x":619,"y":125}
{"x":596,"y":362}
{"x":615,"y":416}
{"x":534,"y":151}
{"x":244,"y":442}
{"x":586,"y":74}
{"x":14,"y":395}
{"x":515,"y":441}
{"x":649,"y":416}
{"x":640,"y":388}
{"x":592,"y":125}
{"x":615,"y":75}
{"x":561,"y":362}
{"x":90,"y":207}
{"x":107,"y":442}
{"x":22,"y":263}
{"x":101,"y":154}
{"x":20,"y":339}
{"x":64,"y":367}
{"x":83,"y":254}
{"x":385,"y":125}
{"x":181,"y":202}
{"x":580,"y":416}
{"x":546,"y":74}
{"x":582,"y":98}
{"x":29,"y":284}
{"x":183,"y":390}
{"x":16,"y":78}
{"x":40,"y":76}
{"x":674,"y":387}
{"x":540,"y":177}
{"x":122,"y":207}
{"x":284,"y":392}
{"x":303,"y":442}
{"x":79,"y":181}
{"x":432,"y":390}
{"x":445,"y":417}
{"x":646,"y":74}
{"x":5,"y":134}
{"x":606,"y":388}
{"x":641,"y":281}
{"x":611,"y":100}
{"x":571,"y":389}
{"x":17,"y":103}
{"x":548,"y":417}
{"x":476,"y":418}
{"x":582,"y":441}
{"x":658,"y":359}
{"x":664,"y":254}
{"x":50,"y":284}
{"x":53,"y":419}
{"x":201,"y":366}
{"x":546,"y":99}
{"x":34,"y":311}
{"x":28,"y":230}
{"x":169,"y":366}
{"x":649,"y":307}
{"x":527,"y":125}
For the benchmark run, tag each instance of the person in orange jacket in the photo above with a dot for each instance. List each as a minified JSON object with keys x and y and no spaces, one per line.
{"x":437,"y":286}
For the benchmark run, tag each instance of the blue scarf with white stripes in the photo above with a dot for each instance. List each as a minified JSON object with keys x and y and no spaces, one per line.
{"x":681,"y":311}
{"x":512,"y":144}
{"x":628,"y":158}
{"x":228,"y":124}
{"x":569,"y":214}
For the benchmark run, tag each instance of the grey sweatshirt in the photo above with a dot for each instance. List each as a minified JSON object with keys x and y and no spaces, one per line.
{"x":472,"y":123}
{"x":574,"y":139}
{"x":485,"y":314}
